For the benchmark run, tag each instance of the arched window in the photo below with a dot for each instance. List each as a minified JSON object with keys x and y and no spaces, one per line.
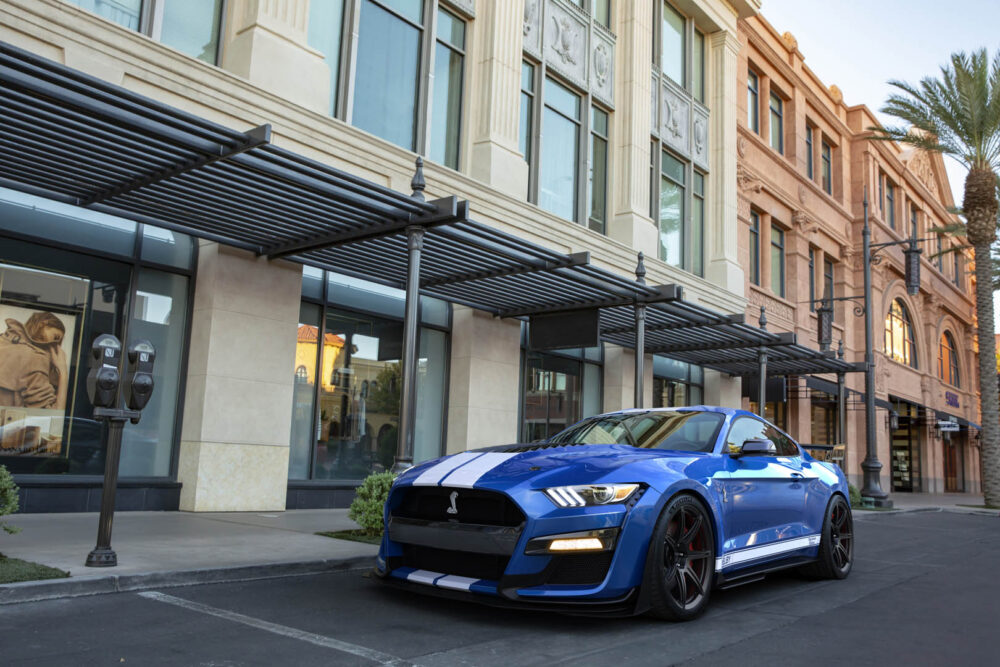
{"x":899,"y":343}
{"x":301,"y":375}
{"x":948,"y":360}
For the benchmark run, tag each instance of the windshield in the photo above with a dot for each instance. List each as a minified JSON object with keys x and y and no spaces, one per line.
{"x":688,"y":430}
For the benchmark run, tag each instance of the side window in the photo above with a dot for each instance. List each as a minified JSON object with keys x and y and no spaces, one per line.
{"x":743,"y":429}
{"x":784,"y":444}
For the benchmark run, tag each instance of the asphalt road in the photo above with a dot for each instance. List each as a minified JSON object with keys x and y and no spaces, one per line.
{"x":924,"y":591}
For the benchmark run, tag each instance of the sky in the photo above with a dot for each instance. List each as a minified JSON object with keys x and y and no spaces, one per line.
{"x":860,"y":45}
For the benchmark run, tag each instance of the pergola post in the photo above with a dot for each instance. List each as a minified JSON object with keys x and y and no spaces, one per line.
{"x":762,"y":369}
{"x":411,"y":324}
{"x":640,"y":335}
{"x":841,"y":400}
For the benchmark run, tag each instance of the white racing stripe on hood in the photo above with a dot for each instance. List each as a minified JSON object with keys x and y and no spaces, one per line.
{"x":436,"y":473}
{"x":468,"y":475}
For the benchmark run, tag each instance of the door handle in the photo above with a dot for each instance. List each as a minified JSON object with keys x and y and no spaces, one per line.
{"x":797,"y":477}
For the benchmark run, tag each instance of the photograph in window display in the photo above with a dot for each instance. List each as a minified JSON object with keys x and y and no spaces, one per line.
{"x":34,"y":379}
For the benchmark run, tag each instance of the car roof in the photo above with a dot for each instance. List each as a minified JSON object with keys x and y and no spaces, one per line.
{"x":692,"y":408}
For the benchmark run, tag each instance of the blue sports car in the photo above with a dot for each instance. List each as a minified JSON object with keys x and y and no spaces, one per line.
{"x":623,"y":513}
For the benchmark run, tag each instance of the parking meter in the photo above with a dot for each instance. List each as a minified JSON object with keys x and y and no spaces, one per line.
{"x":104,"y":375}
{"x":139,"y":377}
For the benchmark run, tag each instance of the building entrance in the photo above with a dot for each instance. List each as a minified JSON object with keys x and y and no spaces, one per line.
{"x":905,"y":447}
{"x":953,"y":478}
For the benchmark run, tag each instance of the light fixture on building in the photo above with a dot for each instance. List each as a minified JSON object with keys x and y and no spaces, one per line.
{"x":911,"y":256}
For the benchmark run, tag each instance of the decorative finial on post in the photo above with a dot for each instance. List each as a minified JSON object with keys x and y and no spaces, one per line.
{"x":840,"y":350}
{"x":418,"y":183}
{"x":763,"y":319}
{"x":640,"y":270}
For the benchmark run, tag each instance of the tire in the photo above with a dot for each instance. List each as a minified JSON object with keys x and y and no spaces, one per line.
{"x":680,"y":563}
{"x":836,"y":548}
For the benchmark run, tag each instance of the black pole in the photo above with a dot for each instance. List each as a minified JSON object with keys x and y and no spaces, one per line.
{"x":103,"y":555}
{"x":872,"y":485}
{"x":415,"y":244}
{"x":841,"y":400}
{"x":640,"y":335}
{"x":762,"y":382}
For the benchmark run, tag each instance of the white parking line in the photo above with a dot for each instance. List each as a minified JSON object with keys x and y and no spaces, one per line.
{"x":283,"y":630}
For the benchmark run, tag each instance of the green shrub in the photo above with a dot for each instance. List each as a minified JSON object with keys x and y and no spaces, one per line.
{"x":8,"y":499}
{"x":855,"y":495}
{"x":369,"y":502}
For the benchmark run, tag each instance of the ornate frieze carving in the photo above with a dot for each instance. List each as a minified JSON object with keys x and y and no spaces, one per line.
{"x":699,"y":135}
{"x":747,"y":182}
{"x":565,"y":42}
{"x":775,"y":309}
{"x":920,"y":165}
{"x":602,"y":71}
{"x":531,"y":32}
{"x":675,"y":120}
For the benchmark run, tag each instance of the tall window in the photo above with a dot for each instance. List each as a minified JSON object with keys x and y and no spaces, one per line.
{"x":913,"y":222}
{"x":810,"y":130}
{"x":948,"y":360}
{"x":190,"y":26}
{"x":958,"y":259}
{"x":560,"y":149}
{"x":698,"y":225}
{"x":698,"y":67}
{"x":446,"y":111}
{"x":601,"y":11}
{"x":754,"y":247}
{"x":777,"y":260}
{"x":777,"y":123}
{"x":812,"y":280}
{"x":597,"y":183}
{"x":899,"y":341}
{"x":827,"y":167}
{"x":672,"y":187}
{"x":753,"y":101}
{"x":828,"y":278}
{"x":939,"y":260}
{"x":890,"y":203}
{"x":673,"y":53}
{"x":527,"y":109}
{"x":401,"y":77}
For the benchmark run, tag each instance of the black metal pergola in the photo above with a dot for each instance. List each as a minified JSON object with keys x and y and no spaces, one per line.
{"x":77,"y":139}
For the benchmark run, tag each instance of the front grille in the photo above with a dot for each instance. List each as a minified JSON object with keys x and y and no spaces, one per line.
{"x":580,"y":568}
{"x":431,"y":503}
{"x":461,"y":563}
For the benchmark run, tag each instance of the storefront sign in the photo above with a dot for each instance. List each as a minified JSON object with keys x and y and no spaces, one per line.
{"x":951,"y":398}
{"x":948,"y":426}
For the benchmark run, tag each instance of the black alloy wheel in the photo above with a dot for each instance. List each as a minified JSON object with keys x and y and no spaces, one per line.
{"x":680,"y":565}
{"x":836,"y":548}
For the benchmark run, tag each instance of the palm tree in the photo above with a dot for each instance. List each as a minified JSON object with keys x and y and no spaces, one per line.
{"x":958,"y":114}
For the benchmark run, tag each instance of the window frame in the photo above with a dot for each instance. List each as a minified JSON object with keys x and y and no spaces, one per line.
{"x":812,"y":280}
{"x":810,"y":167}
{"x":753,"y":101}
{"x":826,"y":166}
{"x":754,"y":247}
{"x":890,"y":203}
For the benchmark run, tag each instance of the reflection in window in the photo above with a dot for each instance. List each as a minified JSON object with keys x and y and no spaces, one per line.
{"x":777,"y":260}
{"x":671,"y":213}
{"x":326,"y":20}
{"x":777,"y":123}
{"x":753,"y":101}
{"x":899,"y":341}
{"x":672,"y":45}
{"x":527,"y":109}
{"x":597,"y":183}
{"x":754,"y":247}
{"x":827,"y":167}
{"x":125,"y":13}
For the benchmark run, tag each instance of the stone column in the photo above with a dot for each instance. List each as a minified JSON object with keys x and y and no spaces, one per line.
{"x":238,"y":402}
{"x":485,"y":380}
{"x":722,"y":390}
{"x":619,"y":379}
{"x":496,"y":108}
{"x":266,"y":42}
{"x":630,"y":222}
{"x":721,"y":231}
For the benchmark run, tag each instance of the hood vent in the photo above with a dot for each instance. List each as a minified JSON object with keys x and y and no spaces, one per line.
{"x":517,"y":449}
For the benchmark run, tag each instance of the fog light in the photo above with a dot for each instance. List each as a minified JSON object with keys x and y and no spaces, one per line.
{"x":602,"y":539}
{"x":578,"y":544}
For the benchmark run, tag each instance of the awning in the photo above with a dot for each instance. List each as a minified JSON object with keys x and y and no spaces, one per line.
{"x":74,"y":138}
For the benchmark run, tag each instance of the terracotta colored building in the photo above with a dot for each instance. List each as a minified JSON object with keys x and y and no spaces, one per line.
{"x":805,"y":161}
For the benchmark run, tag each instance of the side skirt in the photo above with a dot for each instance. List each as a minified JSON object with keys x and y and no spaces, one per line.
{"x":754,"y":573}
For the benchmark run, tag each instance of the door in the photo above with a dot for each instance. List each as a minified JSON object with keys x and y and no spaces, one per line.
{"x":905,"y":448}
{"x":553,"y":394}
{"x":764,"y":499}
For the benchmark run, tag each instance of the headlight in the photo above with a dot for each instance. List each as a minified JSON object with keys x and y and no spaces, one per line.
{"x":590,"y":494}
{"x":602,"y":539}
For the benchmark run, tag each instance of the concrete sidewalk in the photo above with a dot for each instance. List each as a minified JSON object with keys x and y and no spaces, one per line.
{"x":178,"y":548}
{"x":958,"y":502}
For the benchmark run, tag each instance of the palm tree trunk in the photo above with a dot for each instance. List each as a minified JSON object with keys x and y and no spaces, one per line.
{"x":989,"y":397}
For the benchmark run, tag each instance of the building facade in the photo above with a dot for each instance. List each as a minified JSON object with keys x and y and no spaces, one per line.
{"x":806,"y":163}
{"x":597,"y":126}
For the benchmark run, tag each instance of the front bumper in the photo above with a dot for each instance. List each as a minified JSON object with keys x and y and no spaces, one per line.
{"x":489,"y":563}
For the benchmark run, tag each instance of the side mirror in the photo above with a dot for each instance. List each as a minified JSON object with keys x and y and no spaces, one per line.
{"x":758,"y":447}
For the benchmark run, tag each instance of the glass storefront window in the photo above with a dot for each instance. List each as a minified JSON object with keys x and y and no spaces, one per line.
{"x":162,"y":246}
{"x":71,"y":225}
{"x":159,"y":315}
{"x":52,"y":305}
{"x":676,"y":384}
{"x":558,"y":170}
{"x":823,"y":429}
{"x":326,"y":21}
{"x":304,"y":390}
{"x":560,"y":388}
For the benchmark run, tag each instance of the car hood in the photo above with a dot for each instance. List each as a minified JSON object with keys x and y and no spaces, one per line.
{"x":544,"y":465}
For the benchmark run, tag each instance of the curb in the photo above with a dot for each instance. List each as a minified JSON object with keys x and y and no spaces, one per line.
{"x":925,"y":509}
{"x":52,"y":589}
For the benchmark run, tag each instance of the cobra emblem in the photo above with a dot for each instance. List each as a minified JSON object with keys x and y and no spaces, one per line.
{"x":453,"y":497}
